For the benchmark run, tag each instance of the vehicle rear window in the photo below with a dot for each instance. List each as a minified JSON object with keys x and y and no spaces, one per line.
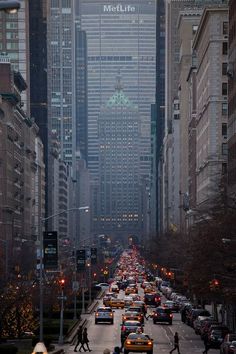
{"x":140,"y":336}
{"x":132,"y":323}
{"x":163,"y":310}
{"x":104,"y":310}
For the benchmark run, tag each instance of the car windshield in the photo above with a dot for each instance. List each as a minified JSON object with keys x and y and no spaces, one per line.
{"x":104,"y":310}
{"x":217,"y":331}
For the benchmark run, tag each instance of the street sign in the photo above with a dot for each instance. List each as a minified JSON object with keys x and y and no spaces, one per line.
{"x":50,"y":250}
{"x":75,"y":286}
{"x":81,"y":259}
{"x":93,"y":255}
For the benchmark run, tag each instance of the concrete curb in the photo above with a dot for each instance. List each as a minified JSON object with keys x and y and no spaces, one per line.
{"x":91,"y":307}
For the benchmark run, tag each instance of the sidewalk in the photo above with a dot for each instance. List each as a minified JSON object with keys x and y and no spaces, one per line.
{"x":69,"y":340}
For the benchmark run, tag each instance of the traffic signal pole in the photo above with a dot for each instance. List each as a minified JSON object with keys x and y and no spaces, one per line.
{"x":61,"y":340}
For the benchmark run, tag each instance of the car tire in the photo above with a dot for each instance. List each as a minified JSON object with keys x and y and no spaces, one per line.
{"x":170,"y":323}
{"x":154,"y":322}
{"x":126,"y":351}
{"x":112,"y":322}
{"x":150,"y":352}
{"x":96,"y":322}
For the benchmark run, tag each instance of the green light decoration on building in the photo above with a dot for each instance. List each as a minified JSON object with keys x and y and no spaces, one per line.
{"x":119,"y":99}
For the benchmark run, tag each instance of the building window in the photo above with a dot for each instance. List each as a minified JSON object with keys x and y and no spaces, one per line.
{"x":225,"y":48}
{"x":224,"y":168}
{"x":225,"y":28}
{"x":11,"y":25}
{"x":224,"y":149}
{"x":224,"y":129}
{"x":224,"y":68}
{"x":12,"y":45}
{"x":224,"y":109}
{"x":224,"y":88}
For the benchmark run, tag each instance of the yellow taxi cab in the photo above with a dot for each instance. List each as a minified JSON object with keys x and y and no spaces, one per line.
{"x":129,"y":290}
{"x":117,"y":303}
{"x":149,"y":289}
{"x":138,"y":342}
{"x":131,"y":316}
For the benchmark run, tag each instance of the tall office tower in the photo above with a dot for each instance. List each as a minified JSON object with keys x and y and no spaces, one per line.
{"x":120,"y":37}
{"x":158,"y":117}
{"x":232,"y":98}
{"x":14,"y":35}
{"x":119,"y":166}
{"x":67,"y":91}
{"x":81,"y":93}
{"x":38,"y":71}
{"x":61,"y":76}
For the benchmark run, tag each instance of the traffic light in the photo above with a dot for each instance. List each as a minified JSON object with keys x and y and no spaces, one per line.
{"x":214,"y":284}
{"x":81,"y":259}
{"x":93,"y":255}
{"x":62,"y":283}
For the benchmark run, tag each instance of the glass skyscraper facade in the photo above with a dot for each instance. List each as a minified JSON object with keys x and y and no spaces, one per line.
{"x":120,"y":37}
{"x":119,"y":166}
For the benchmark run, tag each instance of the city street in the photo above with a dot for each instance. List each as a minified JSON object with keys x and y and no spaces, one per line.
{"x":103,"y":336}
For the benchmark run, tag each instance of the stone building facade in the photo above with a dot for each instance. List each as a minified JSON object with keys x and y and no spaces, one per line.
{"x":17,"y":175}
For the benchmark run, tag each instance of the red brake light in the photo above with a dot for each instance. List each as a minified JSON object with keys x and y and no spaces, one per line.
{"x":150,"y":343}
{"x":171,"y":315}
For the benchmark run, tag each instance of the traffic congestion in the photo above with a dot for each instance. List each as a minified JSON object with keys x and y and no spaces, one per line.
{"x":140,"y":312}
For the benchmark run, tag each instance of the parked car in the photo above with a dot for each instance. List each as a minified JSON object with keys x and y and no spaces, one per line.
{"x":199,"y":322}
{"x":171,"y":305}
{"x":216,"y":336}
{"x":102,"y":286}
{"x":228,"y":345}
{"x":205,"y":327}
{"x":185,"y":311}
{"x":194,"y":313}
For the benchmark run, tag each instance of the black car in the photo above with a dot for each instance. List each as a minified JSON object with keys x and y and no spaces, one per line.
{"x":128,"y":327}
{"x":162,"y":314}
{"x":194,"y":313}
{"x":152,"y":299}
{"x":216,"y":336}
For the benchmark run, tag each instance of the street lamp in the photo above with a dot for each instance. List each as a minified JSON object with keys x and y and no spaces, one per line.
{"x":42,"y":221}
{"x":9,"y":6}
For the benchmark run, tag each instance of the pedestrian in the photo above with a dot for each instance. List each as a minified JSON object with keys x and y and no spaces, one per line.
{"x":116,"y":350}
{"x":79,"y":337}
{"x":85,"y":340}
{"x":176,"y":343}
{"x":144,"y":308}
{"x":206,"y":344}
{"x":106,"y":351}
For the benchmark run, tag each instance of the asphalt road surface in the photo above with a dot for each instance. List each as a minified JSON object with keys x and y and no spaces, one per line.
{"x":103,"y":336}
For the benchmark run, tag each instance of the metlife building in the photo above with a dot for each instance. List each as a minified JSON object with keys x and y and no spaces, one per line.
{"x":121,"y":37}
